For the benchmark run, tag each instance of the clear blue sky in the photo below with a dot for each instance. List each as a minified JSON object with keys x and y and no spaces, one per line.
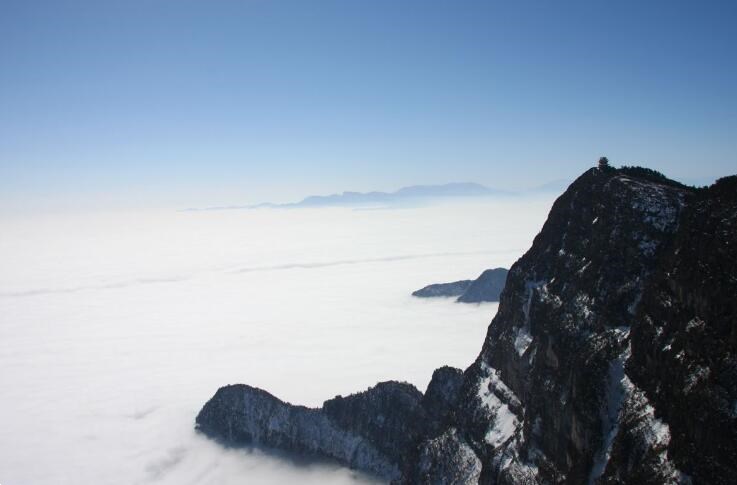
{"x":208,"y":102}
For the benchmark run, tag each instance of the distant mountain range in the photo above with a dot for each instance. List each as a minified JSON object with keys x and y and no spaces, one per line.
{"x":559,"y":186}
{"x":411,"y":194}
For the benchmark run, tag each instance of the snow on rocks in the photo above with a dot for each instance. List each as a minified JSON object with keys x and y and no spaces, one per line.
{"x":652,"y":201}
{"x":497,"y":398}
{"x":447,"y":459}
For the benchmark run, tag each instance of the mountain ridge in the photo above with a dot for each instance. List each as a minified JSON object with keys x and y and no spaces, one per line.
{"x":487,"y":287}
{"x":411,"y":193}
{"x":612,"y":357}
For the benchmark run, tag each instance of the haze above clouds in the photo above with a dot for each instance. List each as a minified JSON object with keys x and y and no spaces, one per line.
{"x":189,"y":104}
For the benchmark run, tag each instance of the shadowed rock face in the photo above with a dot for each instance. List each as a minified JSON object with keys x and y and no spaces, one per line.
{"x":487,"y":287}
{"x":241,"y":415}
{"x":612,"y":359}
{"x":543,"y":391}
{"x":446,"y":460}
{"x":455,"y":288}
{"x":685,"y":341}
{"x":376,"y":430}
{"x":441,"y":397}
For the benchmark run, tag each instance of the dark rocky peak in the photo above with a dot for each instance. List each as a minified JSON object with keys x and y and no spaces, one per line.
{"x":443,"y":392}
{"x":487,"y":287}
{"x":612,"y":359}
{"x":561,"y":334}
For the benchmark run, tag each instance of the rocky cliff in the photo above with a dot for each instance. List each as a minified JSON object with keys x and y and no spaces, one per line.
{"x":611,"y":359}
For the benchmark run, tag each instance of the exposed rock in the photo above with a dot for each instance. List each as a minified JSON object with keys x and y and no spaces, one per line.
{"x":368,"y":431}
{"x":442,"y":394}
{"x":446,"y":460}
{"x":389,"y":415}
{"x":612,"y":358}
{"x":684,"y":343}
{"x":543,"y":399}
{"x":487,"y":287}
{"x":455,"y":288}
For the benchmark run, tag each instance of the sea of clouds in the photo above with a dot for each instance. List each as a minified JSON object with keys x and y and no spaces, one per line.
{"x":115,"y":328}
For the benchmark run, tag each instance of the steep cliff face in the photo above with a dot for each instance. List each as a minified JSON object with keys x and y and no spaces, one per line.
{"x":611,"y":358}
{"x":543,"y":399}
{"x":684,"y":342}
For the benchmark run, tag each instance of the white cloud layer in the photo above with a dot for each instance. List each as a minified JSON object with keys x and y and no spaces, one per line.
{"x":116,"y":328}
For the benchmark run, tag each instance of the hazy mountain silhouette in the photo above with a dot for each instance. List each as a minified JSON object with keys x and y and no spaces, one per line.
{"x":413,"y":193}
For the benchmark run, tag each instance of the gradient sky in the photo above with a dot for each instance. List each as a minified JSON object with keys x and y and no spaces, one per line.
{"x":180,"y":103}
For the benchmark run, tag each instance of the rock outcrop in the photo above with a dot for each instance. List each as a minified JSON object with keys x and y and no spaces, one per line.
{"x":445,"y":460}
{"x":487,"y":287}
{"x":375,"y":430}
{"x":456,"y":288}
{"x":612,"y":359}
{"x":241,"y":415}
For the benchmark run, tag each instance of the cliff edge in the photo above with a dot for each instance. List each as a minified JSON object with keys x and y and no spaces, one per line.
{"x":612,"y":359}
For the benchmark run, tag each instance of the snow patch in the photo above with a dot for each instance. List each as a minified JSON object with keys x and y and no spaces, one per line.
{"x":518,"y":468}
{"x":694,"y":324}
{"x":583,"y":303}
{"x":654,"y":204}
{"x":652,"y":431}
{"x":616,"y":393}
{"x":530,"y":287}
{"x":505,"y":422}
{"x":655,"y":432}
{"x":522,"y":341}
{"x":699,"y":374}
{"x":523,"y":338}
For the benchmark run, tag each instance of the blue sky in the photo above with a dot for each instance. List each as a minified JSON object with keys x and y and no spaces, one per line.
{"x":179,"y":103}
